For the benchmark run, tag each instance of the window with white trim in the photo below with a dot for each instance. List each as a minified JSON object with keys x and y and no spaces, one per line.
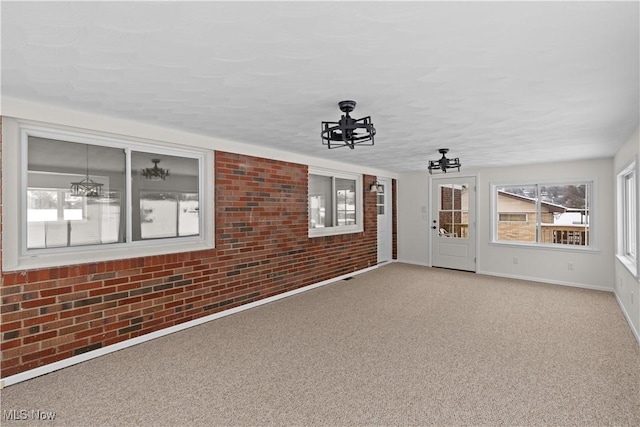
{"x":628,"y":248}
{"x":335,"y":203}
{"x":554,"y":214}
{"x":85,"y":198}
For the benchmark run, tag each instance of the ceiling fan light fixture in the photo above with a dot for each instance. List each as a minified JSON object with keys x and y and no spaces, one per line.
{"x":443,"y":164}
{"x":348,"y":132}
{"x":155,"y":173}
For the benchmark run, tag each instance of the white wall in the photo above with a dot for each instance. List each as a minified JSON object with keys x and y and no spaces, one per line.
{"x":592,"y":269}
{"x":627,"y":286}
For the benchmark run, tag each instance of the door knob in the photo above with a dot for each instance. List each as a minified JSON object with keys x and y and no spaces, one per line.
{"x":433,"y":227}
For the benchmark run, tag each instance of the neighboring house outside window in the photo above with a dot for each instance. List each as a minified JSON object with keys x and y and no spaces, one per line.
{"x":549,"y":214}
{"x":335,"y":202}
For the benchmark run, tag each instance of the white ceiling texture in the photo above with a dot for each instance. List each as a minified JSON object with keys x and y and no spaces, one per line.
{"x":498,"y":83}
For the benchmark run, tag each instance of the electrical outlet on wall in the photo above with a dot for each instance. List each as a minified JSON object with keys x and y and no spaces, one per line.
{"x":515,"y":260}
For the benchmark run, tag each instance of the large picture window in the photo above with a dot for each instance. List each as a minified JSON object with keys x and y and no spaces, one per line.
{"x":557,"y":214}
{"x":335,"y":203}
{"x":87,"y":198}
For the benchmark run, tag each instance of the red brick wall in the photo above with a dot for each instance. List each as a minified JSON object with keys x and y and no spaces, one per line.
{"x":262,"y":249}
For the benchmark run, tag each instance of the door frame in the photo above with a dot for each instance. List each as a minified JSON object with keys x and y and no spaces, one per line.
{"x":433,"y":203}
{"x":388,"y":197}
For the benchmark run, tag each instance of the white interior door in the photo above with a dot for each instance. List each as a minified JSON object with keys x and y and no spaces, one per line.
{"x":453,"y":233}
{"x":383,"y":205}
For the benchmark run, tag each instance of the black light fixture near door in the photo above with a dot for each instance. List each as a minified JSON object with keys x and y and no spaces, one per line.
{"x":442,"y":164}
{"x":348,"y":132}
{"x":376,"y":187}
{"x":87,"y":187}
{"x":155,"y":173}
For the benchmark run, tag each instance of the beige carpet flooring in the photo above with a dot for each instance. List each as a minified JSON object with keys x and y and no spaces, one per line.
{"x":400,"y":345}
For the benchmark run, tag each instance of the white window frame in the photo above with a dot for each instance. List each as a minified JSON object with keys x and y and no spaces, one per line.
{"x":628,"y":224}
{"x":16,"y":256}
{"x":358,"y":227}
{"x":593,"y":229}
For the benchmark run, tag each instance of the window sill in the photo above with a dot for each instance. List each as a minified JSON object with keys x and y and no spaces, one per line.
{"x":629,"y":265}
{"x":100,"y":254}
{"x":333,"y":231}
{"x":540,"y":246}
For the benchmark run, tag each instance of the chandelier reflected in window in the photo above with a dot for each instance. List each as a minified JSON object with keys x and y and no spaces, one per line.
{"x":155,"y":173}
{"x":87,"y":187}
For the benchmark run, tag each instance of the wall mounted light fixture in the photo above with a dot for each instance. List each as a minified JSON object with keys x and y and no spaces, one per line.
{"x":376,"y":187}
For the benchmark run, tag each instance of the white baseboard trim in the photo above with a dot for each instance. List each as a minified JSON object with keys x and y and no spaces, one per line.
{"x":635,"y":332}
{"x":404,"y":261}
{"x":42,"y":370}
{"x":547,"y":281}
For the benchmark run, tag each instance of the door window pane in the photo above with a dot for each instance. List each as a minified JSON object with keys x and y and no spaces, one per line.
{"x":380,"y":199}
{"x":453,"y":215}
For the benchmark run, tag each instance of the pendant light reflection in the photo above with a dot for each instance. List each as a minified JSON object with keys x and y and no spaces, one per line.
{"x":87,"y":187}
{"x":155,"y":173}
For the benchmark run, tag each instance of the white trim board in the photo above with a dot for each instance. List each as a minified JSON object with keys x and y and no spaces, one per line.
{"x":636,"y":334}
{"x":405,"y":261}
{"x":546,"y":281}
{"x":516,"y":277}
{"x":46,"y":369}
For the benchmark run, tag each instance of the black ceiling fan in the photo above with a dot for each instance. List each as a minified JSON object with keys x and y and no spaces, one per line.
{"x":343,"y":133}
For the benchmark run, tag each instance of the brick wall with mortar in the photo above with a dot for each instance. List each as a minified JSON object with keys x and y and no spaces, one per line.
{"x":262,"y":249}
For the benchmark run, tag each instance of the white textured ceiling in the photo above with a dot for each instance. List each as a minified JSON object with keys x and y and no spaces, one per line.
{"x":496,"y":82}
